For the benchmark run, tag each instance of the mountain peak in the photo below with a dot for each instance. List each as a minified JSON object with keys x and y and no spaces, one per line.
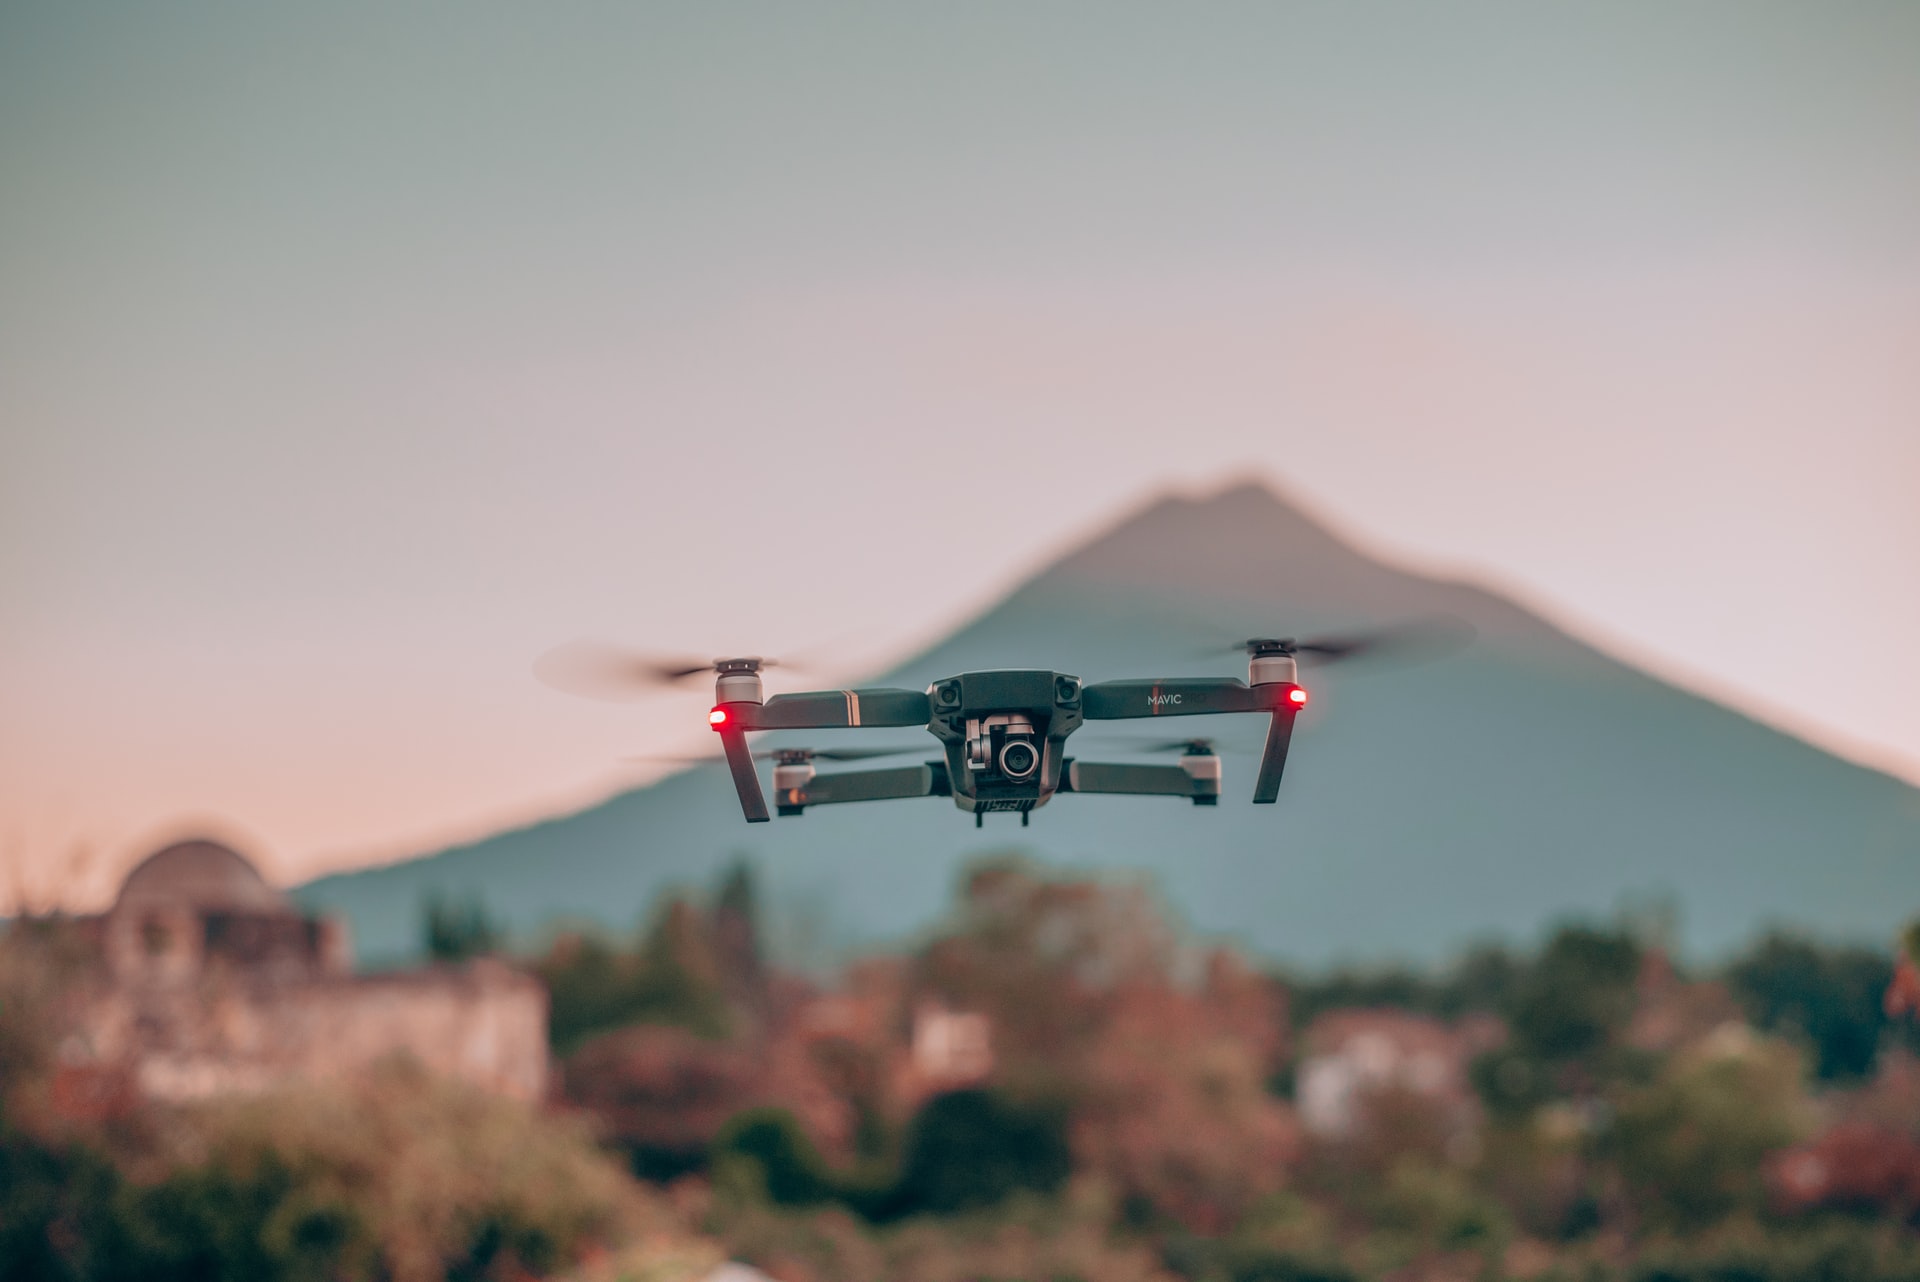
{"x":1516,"y":781}
{"x":1247,"y":542}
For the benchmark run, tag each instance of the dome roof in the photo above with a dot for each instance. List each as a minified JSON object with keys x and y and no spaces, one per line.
{"x":201,"y":875}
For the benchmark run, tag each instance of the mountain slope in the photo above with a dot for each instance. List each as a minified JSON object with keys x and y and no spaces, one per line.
{"x":1489,"y":792}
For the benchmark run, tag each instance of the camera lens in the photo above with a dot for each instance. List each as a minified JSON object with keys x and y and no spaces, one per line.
{"x":1018,"y":759}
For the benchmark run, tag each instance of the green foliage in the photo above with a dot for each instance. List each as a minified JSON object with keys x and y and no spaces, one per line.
{"x":1482,"y":980}
{"x":458,"y":932}
{"x":966,"y":1150}
{"x":670,"y":978}
{"x":1044,"y":960}
{"x":779,"y":1157}
{"x":56,"y":1204}
{"x":68,"y":1213}
{"x":1691,"y":1146}
{"x":1576,"y":996}
{"x":1835,"y":1253}
{"x":1833,"y":997}
{"x":39,"y":958}
{"x":1214,"y":1260}
{"x":1438,"y":1207}
{"x":256,"y":1216}
{"x":974,"y":1148}
{"x":398,"y":1178}
{"x":1281,"y":1266}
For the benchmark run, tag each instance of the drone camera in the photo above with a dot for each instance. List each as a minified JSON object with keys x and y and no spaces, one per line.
{"x":1005,"y":743}
{"x":1019,"y":758}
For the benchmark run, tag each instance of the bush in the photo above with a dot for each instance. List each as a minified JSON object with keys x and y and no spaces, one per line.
{"x":785,"y":1165}
{"x":399,"y":1177}
{"x":1837,"y":1254}
{"x":55,"y":1207}
{"x":1577,"y":996}
{"x":973,"y":1148}
{"x":257,"y":1216}
{"x":672,"y":977}
{"x":457,"y":932}
{"x":966,"y":1150}
{"x":1692,"y":1148}
{"x":1834,"y":998}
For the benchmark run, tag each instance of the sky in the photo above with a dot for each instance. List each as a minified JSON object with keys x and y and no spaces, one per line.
{"x":352,"y":356}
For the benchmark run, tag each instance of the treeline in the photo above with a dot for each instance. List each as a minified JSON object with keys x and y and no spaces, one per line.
{"x":1627,"y":1117}
{"x":1586,"y":1108}
{"x":1828,"y":998}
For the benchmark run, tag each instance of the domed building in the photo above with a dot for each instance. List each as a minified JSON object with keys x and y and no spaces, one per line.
{"x":213,"y":981}
{"x":199,"y":904}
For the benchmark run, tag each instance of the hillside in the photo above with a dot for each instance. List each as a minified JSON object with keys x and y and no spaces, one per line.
{"x":1519,"y":780}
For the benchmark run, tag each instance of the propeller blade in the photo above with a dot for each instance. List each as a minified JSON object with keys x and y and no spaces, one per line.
{"x":1169,"y":745}
{"x":1402,"y":642}
{"x":596,"y":670}
{"x":768,"y":754}
{"x":865,"y":754}
{"x":1180,"y":745}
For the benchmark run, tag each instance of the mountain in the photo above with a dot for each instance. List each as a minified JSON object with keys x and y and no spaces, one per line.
{"x":1489,"y":792}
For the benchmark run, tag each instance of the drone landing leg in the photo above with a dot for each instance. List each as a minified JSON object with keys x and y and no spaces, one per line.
{"x":746,"y":780}
{"x":1274,"y":760}
{"x":979,"y":820}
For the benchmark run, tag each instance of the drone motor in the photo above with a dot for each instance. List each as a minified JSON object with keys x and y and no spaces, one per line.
{"x":1269,"y":662}
{"x":738,"y":681}
{"x":792,"y":769}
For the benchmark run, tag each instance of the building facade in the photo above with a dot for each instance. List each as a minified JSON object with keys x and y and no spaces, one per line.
{"x":210,"y":981}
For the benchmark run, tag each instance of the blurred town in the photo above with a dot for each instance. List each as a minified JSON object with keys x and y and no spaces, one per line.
{"x":1054,"y":1083}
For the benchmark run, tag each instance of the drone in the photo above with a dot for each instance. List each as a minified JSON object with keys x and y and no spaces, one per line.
{"x":1002,"y":733}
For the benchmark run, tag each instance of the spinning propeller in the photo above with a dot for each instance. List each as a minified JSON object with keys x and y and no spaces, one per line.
{"x":794,"y":756}
{"x":1188,"y":747}
{"x":1405,"y":641}
{"x":594,"y":670}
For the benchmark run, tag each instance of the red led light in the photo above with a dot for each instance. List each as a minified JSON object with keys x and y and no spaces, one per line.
{"x":717,"y":718}
{"x":1298,"y":695}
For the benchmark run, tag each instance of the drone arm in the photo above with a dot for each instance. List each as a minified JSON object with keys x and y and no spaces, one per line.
{"x":832,"y":709}
{"x":1180,"y":697}
{"x":1135,"y":780}
{"x":746,"y":780}
{"x":1116,"y":700}
{"x":926,"y":780}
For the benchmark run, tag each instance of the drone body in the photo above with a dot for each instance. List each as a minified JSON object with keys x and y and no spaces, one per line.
{"x":1003,"y":735}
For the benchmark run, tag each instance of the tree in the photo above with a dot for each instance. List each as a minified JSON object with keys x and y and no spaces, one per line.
{"x":1692,"y":1147}
{"x":736,"y":939}
{"x":1577,"y":996}
{"x":1832,"y":997}
{"x":458,"y":932}
{"x":974,"y":1148}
